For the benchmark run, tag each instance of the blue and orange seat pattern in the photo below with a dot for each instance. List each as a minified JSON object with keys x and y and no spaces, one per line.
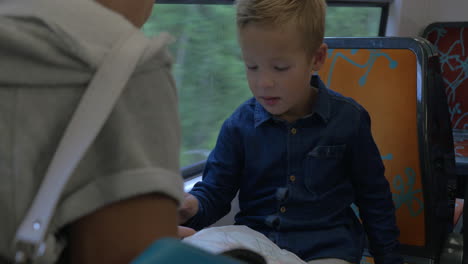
{"x":384,"y":82}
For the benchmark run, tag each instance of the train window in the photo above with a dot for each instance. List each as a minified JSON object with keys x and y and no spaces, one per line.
{"x":345,"y":21}
{"x":208,"y":68}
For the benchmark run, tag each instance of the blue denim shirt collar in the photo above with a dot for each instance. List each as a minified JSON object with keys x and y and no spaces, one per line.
{"x":321,"y":107}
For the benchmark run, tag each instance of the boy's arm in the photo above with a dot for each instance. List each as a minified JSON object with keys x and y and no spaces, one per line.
{"x":121,"y":231}
{"x":373,"y":195}
{"x":220,"y":179}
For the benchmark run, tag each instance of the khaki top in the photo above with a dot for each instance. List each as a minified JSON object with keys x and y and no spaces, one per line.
{"x":49,"y":51}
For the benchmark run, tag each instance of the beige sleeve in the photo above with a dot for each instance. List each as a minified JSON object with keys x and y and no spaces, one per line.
{"x":137,"y":151}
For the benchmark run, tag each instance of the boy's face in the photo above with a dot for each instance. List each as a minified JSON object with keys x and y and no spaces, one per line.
{"x":279,"y":69}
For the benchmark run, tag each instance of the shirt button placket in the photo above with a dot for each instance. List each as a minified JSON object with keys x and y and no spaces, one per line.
{"x":292,"y":178}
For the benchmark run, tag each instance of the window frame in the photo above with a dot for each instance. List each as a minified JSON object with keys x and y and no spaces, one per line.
{"x":383,"y":4}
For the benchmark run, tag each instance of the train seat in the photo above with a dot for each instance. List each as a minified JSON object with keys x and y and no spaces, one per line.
{"x":451,"y":42}
{"x":396,"y":80}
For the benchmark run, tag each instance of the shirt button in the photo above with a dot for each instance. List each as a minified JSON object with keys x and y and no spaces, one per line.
{"x":283,"y":209}
{"x":293,"y":131}
{"x":292,"y":178}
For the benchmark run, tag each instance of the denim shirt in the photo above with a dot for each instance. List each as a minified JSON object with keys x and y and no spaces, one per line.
{"x":297,"y":181}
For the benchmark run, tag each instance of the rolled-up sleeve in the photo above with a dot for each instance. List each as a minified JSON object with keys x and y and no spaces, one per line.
{"x":135,"y":153}
{"x":220,"y":179}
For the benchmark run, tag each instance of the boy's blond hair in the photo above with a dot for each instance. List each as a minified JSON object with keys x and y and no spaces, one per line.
{"x":308,"y":15}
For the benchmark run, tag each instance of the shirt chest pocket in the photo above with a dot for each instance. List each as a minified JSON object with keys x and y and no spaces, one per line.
{"x":323,"y":168}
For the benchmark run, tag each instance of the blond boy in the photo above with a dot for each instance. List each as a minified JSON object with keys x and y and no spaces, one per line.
{"x":298,"y":153}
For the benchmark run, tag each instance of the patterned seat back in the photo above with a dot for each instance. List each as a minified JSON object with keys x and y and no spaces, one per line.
{"x":451,"y":42}
{"x":393,"y":79}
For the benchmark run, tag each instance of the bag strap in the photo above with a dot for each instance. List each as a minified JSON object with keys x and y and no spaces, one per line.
{"x":93,"y":110}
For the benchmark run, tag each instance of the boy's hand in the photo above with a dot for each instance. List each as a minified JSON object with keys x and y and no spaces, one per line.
{"x":184,"y":232}
{"x":188,"y":209}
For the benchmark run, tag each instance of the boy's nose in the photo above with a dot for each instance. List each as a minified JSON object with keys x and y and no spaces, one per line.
{"x":265,"y":81}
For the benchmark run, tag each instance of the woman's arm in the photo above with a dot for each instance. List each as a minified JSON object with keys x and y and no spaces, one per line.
{"x":121,"y":231}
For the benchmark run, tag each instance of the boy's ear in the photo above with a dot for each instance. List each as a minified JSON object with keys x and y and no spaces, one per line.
{"x":319,"y":57}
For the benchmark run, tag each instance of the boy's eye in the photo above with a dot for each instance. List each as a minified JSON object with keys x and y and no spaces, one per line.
{"x":253,"y":67}
{"x":278,"y":68}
